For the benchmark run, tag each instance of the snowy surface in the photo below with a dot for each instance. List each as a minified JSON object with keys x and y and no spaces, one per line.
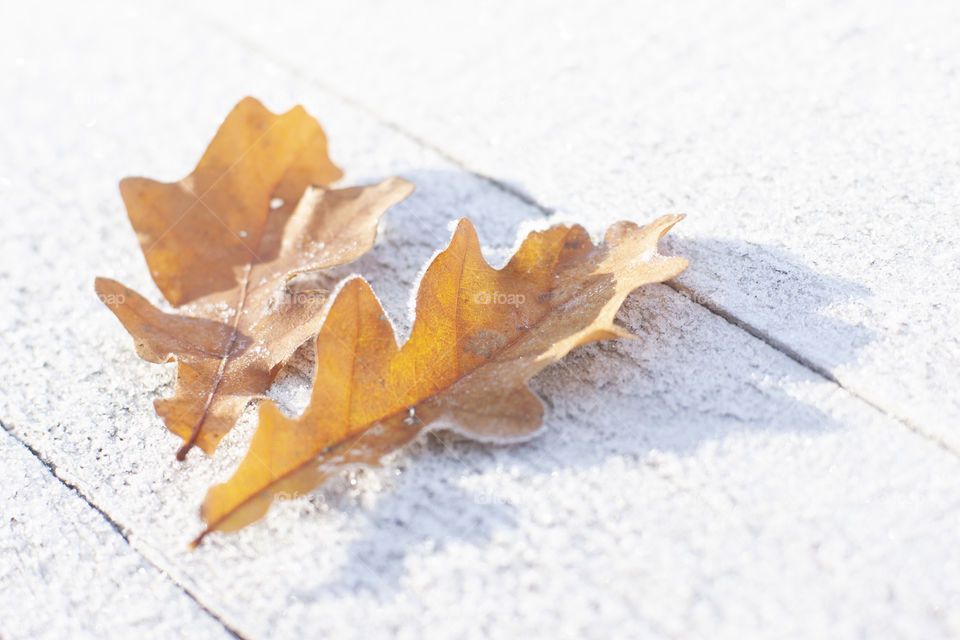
{"x":776,"y":456}
{"x":68,"y":573}
{"x":815,"y":146}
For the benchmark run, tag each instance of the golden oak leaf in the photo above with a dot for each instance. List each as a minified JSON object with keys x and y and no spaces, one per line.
{"x":478,"y":336}
{"x":221,"y":245}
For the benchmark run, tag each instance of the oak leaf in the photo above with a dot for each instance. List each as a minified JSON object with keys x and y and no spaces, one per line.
{"x":478,"y":336}
{"x":221,"y":245}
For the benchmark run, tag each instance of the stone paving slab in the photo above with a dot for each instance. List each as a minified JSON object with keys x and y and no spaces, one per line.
{"x":815,"y":146}
{"x":67,"y":573}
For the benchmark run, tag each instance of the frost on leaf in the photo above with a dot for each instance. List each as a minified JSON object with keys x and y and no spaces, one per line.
{"x":221,"y":245}
{"x":478,"y":336}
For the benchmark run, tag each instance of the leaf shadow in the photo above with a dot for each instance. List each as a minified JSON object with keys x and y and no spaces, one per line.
{"x":397,"y":526}
{"x":690,"y":379}
{"x":754,"y":284}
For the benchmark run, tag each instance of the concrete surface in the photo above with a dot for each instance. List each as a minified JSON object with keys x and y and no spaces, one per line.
{"x":777,"y":456}
{"x":68,"y":573}
{"x":815,"y":146}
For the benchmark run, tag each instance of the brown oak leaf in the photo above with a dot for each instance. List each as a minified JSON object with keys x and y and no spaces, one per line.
{"x":478,"y":336}
{"x":221,"y":245}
